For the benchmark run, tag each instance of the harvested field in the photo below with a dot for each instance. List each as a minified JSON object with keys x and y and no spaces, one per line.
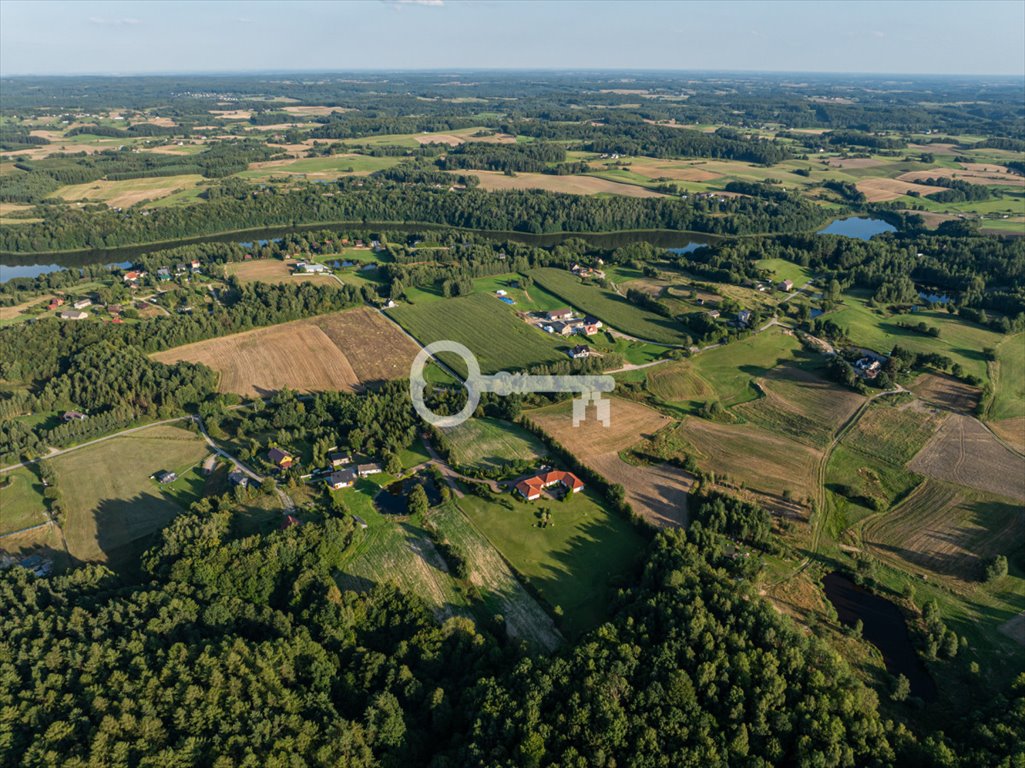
{"x":668,"y":169}
{"x":976,"y":174}
{"x":314,"y":110}
{"x":297,"y":355}
{"x":931,"y":219}
{"x":947,"y":530}
{"x":947,"y":392}
{"x":7,"y":314}
{"x":270,"y":271}
{"x":763,"y":461}
{"x":893,"y":434}
{"x":657,"y":493}
{"x":965,"y":452}
{"x":1011,"y":431}
{"x":124,"y":194}
{"x":801,"y":405}
{"x":856,"y":162}
{"x":880,"y":190}
{"x":574,"y":185}
{"x":630,"y":423}
{"x":375,"y":347}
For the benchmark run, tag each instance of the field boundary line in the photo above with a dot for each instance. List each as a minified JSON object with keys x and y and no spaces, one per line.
{"x":29,"y":528}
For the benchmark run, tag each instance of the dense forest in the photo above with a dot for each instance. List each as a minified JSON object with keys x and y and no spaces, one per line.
{"x":245,"y":651}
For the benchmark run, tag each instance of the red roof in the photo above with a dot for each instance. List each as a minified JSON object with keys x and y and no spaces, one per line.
{"x":289,"y":521}
{"x":532,"y":486}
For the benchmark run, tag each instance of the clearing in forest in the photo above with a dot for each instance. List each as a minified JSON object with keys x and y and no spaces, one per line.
{"x":112,"y":506}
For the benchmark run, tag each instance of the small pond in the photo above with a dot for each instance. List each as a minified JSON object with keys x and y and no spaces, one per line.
{"x":858,"y":226}
{"x":883,"y":625}
{"x":688,"y":248}
{"x":392,"y":499}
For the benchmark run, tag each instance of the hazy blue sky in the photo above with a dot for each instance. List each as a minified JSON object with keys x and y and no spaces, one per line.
{"x":83,"y":36}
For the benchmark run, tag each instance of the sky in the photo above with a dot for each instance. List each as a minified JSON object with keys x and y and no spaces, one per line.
{"x":867,"y":36}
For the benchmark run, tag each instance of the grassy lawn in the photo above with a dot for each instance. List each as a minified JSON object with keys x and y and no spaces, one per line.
{"x":730,"y":369}
{"x":491,"y":330}
{"x":962,"y":342}
{"x":1009,"y":379}
{"x":782,"y":269}
{"x":21,"y":500}
{"x":321,"y":167}
{"x":610,"y":307}
{"x":570,"y":563}
{"x":492,"y":444}
{"x":112,"y":506}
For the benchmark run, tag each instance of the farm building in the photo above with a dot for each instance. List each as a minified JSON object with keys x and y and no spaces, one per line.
{"x":744,"y":316}
{"x":787,"y":285}
{"x":713,"y":313}
{"x":343,"y":478}
{"x":310,"y":268}
{"x":531,"y":487}
{"x":210,"y":464}
{"x":73,"y":416}
{"x":359,"y":521}
{"x":559,"y":314}
{"x":82,"y":303}
{"x":580,"y":351}
{"x":133,"y":276}
{"x":165,"y":477}
{"x":372,"y":468}
{"x":337,"y":458}
{"x":238,"y":477}
{"x":290,"y":521}
{"x":163,"y":274}
{"x":280,"y":458}
{"x":55,"y":303}
{"x":72,"y":314}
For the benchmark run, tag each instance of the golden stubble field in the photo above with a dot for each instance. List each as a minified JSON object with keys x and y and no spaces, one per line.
{"x":333,"y":352}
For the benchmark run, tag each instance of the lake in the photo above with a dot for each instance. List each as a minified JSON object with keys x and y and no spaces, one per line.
{"x":883,"y":625}
{"x":10,"y":272}
{"x":858,"y":227}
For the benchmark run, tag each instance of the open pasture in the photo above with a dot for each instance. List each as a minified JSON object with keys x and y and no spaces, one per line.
{"x":947,"y":530}
{"x":488,"y":328}
{"x":609,"y":307}
{"x":963,"y":451}
{"x":270,"y":271}
{"x":679,"y":383}
{"x":575,"y":185}
{"x":572,"y":561}
{"x":893,"y":433}
{"x":1008,"y":374}
{"x":801,"y":405}
{"x":112,"y":507}
{"x":21,"y":500}
{"x":961,"y":341}
{"x":297,"y":355}
{"x":500,"y":590}
{"x":331,"y":167}
{"x":731,"y":370}
{"x":126,"y":193}
{"x":492,"y":444}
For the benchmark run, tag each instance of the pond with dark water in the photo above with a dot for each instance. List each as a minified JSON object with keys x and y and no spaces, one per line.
{"x":884,"y":626}
{"x":394,"y":499}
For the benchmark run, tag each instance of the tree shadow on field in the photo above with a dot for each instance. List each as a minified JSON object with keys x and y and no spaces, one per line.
{"x":125,"y":528}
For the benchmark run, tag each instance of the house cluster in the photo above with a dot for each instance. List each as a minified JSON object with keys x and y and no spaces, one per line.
{"x":346,"y":473}
{"x":588,"y":272}
{"x":530,"y":488}
{"x":562,"y":322}
{"x":39,"y":565}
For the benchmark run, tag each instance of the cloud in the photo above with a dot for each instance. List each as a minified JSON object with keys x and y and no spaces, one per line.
{"x":429,"y":3}
{"x":877,"y":33}
{"x":121,"y":22}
